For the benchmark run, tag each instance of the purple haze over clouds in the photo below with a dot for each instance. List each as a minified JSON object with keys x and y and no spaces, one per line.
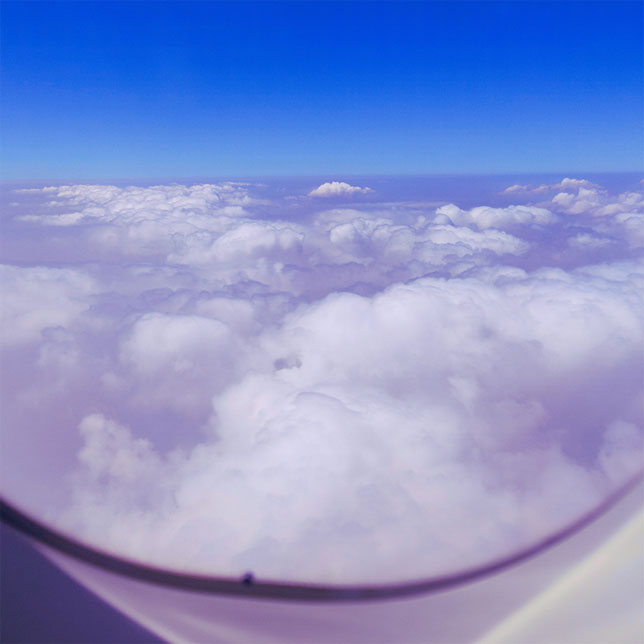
{"x":359,"y":380}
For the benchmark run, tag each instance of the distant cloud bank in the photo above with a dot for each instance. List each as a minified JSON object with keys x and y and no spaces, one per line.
{"x":371,"y":392}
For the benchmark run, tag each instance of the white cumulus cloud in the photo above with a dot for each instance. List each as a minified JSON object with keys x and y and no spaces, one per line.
{"x":338,"y":189}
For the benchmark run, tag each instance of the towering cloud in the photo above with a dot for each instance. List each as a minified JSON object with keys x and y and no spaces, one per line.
{"x":370,"y":393}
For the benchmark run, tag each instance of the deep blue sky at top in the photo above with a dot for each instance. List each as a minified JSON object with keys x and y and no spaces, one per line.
{"x":161,"y":89}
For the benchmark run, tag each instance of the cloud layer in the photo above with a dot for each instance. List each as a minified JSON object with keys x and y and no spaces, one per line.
{"x":372,"y":393}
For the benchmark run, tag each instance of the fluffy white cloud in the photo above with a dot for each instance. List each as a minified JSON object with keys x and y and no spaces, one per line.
{"x":580,"y":197}
{"x":363,"y":414}
{"x":632,"y":225}
{"x":521,"y":189}
{"x":36,"y":298}
{"x":338,"y":189}
{"x":359,"y":394}
{"x":240,"y":244}
{"x":485,"y":217}
{"x":146,"y":210}
{"x":566,"y":185}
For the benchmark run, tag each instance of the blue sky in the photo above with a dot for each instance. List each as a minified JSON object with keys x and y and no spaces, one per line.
{"x":172,"y":90}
